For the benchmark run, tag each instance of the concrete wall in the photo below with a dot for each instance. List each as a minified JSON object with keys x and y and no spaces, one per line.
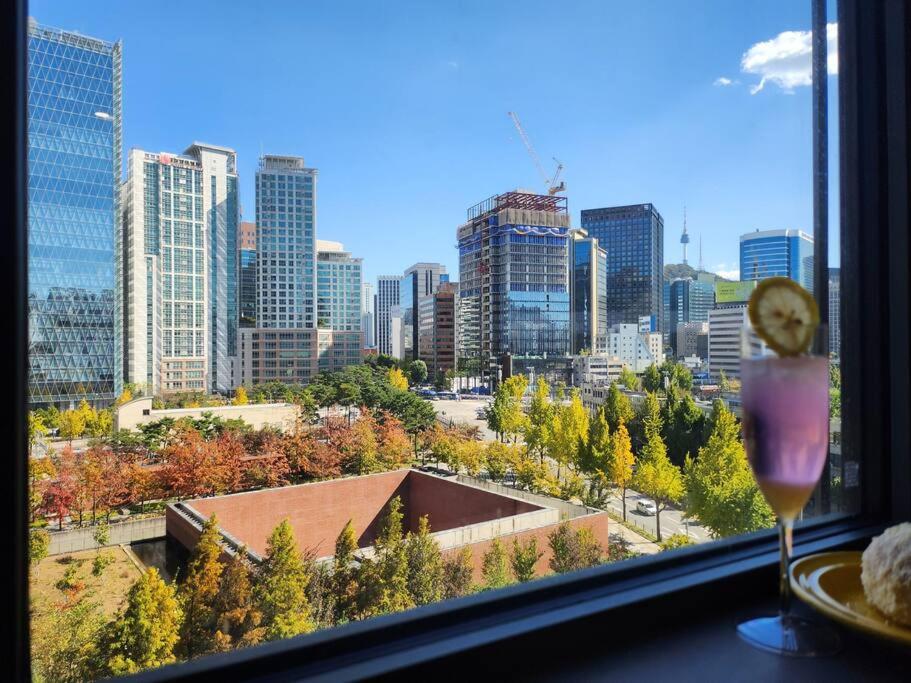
{"x":567,"y":510}
{"x":139,"y":411}
{"x":127,"y":532}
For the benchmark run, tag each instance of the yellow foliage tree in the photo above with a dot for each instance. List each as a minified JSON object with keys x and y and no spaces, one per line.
{"x":240,"y":397}
{"x":397,"y":379}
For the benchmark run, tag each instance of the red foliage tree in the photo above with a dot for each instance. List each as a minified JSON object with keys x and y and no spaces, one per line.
{"x":57,"y":500}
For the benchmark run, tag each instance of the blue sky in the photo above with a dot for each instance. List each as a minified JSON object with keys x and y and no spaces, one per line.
{"x":402,"y":106}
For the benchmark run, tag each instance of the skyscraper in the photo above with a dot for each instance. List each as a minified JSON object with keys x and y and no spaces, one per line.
{"x":74,"y":147}
{"x":690,"y":302}
{"x":835,"y":311}
{"x":767,"y":253}
{"x":180,"y":227}
{"x":387,"y":297}
{"x":437,"y":329}
{"x":513,"y":278}
{"x":338,"y":306}
{"x":368,"y":316}
{"x":247,"y":274}
{"x":633,"y":237}
{"x":588,"y":293}
{"x":419,"y":282}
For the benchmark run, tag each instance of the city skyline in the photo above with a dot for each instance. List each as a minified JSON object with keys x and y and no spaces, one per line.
{"x":731,"y":183}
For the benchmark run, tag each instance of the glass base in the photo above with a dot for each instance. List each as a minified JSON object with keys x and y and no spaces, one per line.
{"x":790,"y":636}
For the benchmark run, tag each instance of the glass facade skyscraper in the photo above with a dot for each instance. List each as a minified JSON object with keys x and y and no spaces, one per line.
{"x":420,"y":281}
{"x":247,"y":274}
{"x":74,"y":146}
{"x":769,"y":253}
{"x":588,"y":293}
{"x":689,"y":302}
{"x":514,"y":278}
{"x":633,"y":237}
{"x":387,"y":297}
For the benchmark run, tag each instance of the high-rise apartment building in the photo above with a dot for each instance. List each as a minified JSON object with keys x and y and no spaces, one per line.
{"x":588,"y":293}
{"x":74,"y":147}
{"x":437,"y":328}
{"x":419,"y":282}
{"x":387,"y":297}
{"x":247,"y":274}
{"x":835,"y":311}
{"x":690,"y":302}
{"x":633,"y":237}
{"x":767,"y":253}
{"x":514,"y":278}
{"x":180,"y":228}
{"x":368,"y":315}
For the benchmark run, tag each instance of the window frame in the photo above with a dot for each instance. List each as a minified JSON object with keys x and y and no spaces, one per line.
{"x":874,"y":46}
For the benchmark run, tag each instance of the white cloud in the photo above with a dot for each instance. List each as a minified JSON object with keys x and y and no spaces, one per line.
{"x":723,"y":81}
{"x":785,"y":59}
{"x":452,"y":64}
{"x":724,"y":271}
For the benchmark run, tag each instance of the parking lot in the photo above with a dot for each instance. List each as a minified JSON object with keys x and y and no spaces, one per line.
{"x":465,"y":412}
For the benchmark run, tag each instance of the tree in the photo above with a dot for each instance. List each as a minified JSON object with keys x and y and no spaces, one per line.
{"x":683,"y":426}
{"x":617,"y":407}
{"x":834,"y":403}
{"x":505,"y":414}
{"x":417,"y":371}
{"x":721,"y":490}
{"x":457,"y":572}
{"x":425,"y":565}
{"x":724,"y":385}
{"x":237,"y":620}
{"x":37,"y":430}
{"x":628,"y":378}
{"x":573,"y":549}
{"x":569,"y":432}
{"x":539,"y":419}
{"x":280,"y":591}
{"x":386,"y":577}
{"x":71,"y":424}
{"x":397,"y":379}
{"x":345,"y":584}
{"x":676,"y":541}
{"x":240,"y":397}
{"x":125,"y":397}
{"x":198,"y":592}
{"x":348,"y":395}
{"x":496,"y":459}
{"x":39,"y":541}
{"x":144,"y":633}
{"x":64,"y":641}
{"x":524,"y":559}
{"x":620,"y":465}
{"x":58,"y":500}
{"x":651,"y":379}
{"x":596,"y":455}
{"x":656,"y":477}
{"x":495,"y":566}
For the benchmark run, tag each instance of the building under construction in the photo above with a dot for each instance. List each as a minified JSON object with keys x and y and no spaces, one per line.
{"x":513,"y":281}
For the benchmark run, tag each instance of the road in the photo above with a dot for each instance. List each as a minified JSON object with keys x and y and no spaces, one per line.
{"x":672,"y":519}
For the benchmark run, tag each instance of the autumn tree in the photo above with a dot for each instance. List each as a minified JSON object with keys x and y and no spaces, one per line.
{"x":495,"y":566}
{"x":345,"y":580}
{"x":240,"y":397}
{"x":496,"y":459}
{"x":237,"y":619}
{"x":628,"y":378}
{"x":425,"y":565}
{"x":57,"y":500}
{"x":505,"y":415}
{"x":656,"y":476}
{"x":651,"y":379}
{"x":397,"y":379}
{"x":71,"y":424}
{"x":281,"y":589}
{"x":198,"y":592}
{"x":145,"y":632}
{"x":620,"y":465}
{"x":721,"y":490}
{"x":64,"y":640}
{"x":524,"y":559}
{"x":39,"y":541}
{"x":573,"y":549}
{"x":457,"y":572}
{"x":617,"y":407}
{"x":596,"y":454}
{"x":539,"y":419}
{"x":569,"y":434}
{"x":37,"y":430}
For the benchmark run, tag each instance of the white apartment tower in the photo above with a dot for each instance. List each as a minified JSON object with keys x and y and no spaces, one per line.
{"x":180,"y":218}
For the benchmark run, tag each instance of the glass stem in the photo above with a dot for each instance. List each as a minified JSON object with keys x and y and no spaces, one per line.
{"x":785,"y":535}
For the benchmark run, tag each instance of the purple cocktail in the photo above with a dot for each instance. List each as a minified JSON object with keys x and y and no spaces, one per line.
{"x":786,"y":427}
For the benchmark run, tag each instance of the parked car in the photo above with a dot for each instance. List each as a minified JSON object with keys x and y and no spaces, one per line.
{"x":646,"y":507}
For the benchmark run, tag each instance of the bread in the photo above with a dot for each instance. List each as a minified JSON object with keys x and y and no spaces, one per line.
{"x":886,"y":573}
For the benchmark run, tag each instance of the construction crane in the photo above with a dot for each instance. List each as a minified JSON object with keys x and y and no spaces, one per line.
{"x":551,"y":183}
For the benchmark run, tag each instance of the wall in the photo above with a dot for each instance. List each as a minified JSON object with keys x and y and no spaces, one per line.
{"x":258,"y":415}
{"x":126,"y":532}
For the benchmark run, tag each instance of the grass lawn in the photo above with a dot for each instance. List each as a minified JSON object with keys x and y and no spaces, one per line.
{"x":109,"y":590}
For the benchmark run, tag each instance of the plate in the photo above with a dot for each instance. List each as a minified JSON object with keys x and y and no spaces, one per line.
{"x":830,"y":583}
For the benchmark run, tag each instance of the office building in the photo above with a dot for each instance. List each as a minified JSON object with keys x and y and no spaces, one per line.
{"x":596,"y":369}
{"x":635,"y":350}
{"x":690,"y":302}
{"x":246,"y":244}
{"x":692,"y":339}
{"x":835,"y":311}
{"x":767,"y":253}
{"x":180,"y":229}
{"x":387,"y":297}
{"x":368,"y":315}
{"x":588,"y":293}
{"x":514,"y":284}
{"x":74,"y":148}
{"x":726,"y":324}
{"x":338,"y":306}
{"x":437,"y":329}
{"x":419,"y":282}
{"x":633,"y":237}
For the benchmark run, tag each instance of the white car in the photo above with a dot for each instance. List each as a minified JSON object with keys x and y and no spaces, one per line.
{"x":646,"y":507}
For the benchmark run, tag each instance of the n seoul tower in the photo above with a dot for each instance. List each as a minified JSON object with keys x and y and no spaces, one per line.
{"x":684,"y":238}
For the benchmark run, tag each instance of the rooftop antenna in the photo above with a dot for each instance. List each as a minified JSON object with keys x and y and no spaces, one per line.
{"x":700,"y":251}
